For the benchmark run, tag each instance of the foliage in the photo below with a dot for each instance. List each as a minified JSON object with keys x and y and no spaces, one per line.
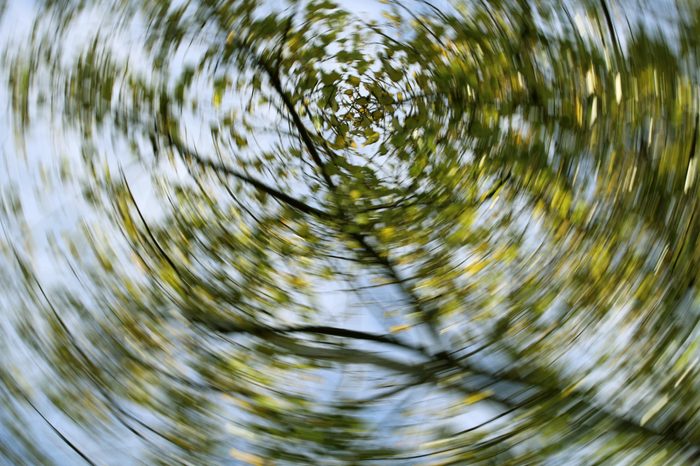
{"x":503,"y":193}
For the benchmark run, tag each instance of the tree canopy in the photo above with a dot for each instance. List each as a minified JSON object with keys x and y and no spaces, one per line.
{"x":452,"y":234}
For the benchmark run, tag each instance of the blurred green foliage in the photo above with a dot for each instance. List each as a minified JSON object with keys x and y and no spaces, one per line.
{"x":510,"y":186}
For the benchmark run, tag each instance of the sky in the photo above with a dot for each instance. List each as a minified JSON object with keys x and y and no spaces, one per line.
{"x":55,"y":207}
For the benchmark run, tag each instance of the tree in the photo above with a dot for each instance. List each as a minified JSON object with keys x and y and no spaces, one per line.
{"x":505,"y":202}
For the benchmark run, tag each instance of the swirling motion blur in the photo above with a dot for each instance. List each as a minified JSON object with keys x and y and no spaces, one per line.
{"x":302,"y":232}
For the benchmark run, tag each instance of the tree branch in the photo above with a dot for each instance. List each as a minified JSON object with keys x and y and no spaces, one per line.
{"x":257,"y":184}
{"x":361,"y":239}
{"x":436,"y":362}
